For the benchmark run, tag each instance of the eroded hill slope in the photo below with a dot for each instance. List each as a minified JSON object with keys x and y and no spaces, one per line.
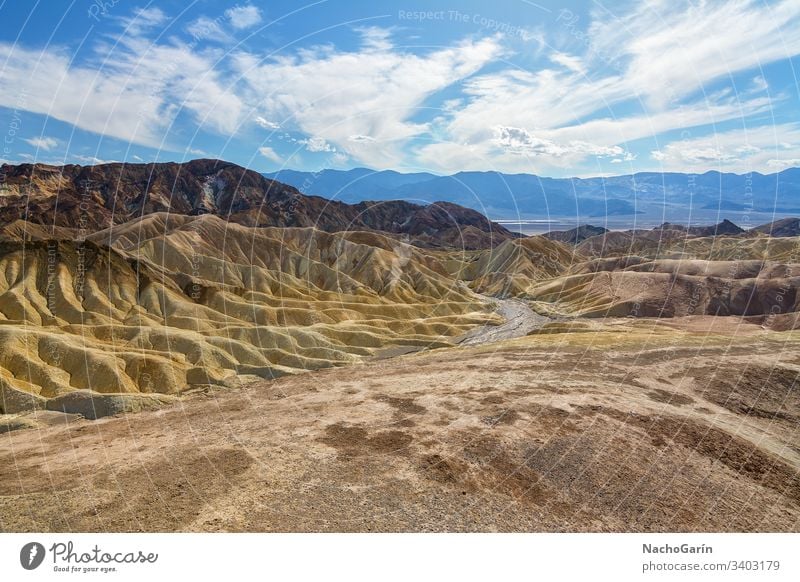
{"x":196,"y":301}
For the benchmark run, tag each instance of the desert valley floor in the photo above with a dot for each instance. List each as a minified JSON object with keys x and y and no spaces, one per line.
{"x":688,"y":424}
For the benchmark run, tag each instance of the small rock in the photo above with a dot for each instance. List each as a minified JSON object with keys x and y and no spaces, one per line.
{"x":93,"y":405}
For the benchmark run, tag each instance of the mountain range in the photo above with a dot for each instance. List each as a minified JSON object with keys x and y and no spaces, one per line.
{"x":92,"y":198}
{"x":501,"y":195}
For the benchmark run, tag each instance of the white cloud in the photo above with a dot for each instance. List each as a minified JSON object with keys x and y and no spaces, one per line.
{"x":761,"y":148}
{"x":519,"y":141}
{"x":670,"y":49}
{"x":651,"y":73}
{"x":759,"y":84}
{"x":317,"y":144}
{"x":565,"y":142}
{"x":132,"y":90}
{"x":135,"y":89}
{"x":627,"y":157}
{"x":205,"y":28}
{"x":91,"y":160}
{"x":571,"y":62}
{"x":270,"y":154}
{"x":339,"y":158}
{"x":266,"y":124}
{"x":647,"y":70}
{"x":142,"y":20}
{"x":372,"y":92}
{"x":106,"y":103}
{"x":784,"y":163}
{"x":43,"y":143}
{"x":375,"y":38}
{"x":242,"y":17}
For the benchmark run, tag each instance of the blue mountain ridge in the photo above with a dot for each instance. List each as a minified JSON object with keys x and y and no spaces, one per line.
{"x":526,"y":195}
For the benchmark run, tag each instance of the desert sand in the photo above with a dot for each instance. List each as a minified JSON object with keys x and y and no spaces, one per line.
{"x":687,"y":424}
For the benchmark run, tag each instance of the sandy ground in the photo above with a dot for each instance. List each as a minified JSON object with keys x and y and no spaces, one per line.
{"x":520,"y":320}
{"x":626,"y":426}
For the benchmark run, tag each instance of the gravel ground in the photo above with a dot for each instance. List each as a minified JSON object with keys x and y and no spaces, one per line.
{"x":630,"y":426}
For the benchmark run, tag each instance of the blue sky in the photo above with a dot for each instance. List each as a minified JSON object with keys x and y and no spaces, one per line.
{"x":556,"y":89}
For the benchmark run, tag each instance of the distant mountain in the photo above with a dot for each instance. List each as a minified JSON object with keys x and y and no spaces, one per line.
{"x":525,"y":195}
{"x":92,"y":198}
{"x":780,"y":228}
{"x":351,"y":186}
{"x":597,"y":241}
{"x":576,"y":235}
{"x":726,"y":227}
{"x":491,"y":193}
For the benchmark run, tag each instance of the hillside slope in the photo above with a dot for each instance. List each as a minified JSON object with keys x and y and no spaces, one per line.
{"x":92,"y":198}
{"x":175,"y":303}
{"x":686,"y":425}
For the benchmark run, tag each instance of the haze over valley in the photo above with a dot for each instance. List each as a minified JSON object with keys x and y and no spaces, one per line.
{"x":534,"y":205}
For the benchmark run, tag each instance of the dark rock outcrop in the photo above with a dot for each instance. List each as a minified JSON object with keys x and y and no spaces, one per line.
{"x":91,"y":198}
{"x":576,"y":235}
{"x":780,"y":228}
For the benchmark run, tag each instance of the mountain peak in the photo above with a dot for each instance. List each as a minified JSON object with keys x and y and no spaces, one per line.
{"x":99,"y":197}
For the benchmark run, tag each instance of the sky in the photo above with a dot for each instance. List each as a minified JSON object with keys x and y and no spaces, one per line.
{"x":552,"y":88}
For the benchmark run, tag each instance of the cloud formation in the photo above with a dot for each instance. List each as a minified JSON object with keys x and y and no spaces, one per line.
{"x":374,"y":92}
{"x":763,"y":148}
{"x":43,"y":143}
{"x":242,"y":17}
{"x":637,"y":76}
{"x":270,"y":154}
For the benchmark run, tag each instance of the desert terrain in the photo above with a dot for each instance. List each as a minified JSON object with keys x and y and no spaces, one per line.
{"x":690,"y":425}
{"x":211,"y":350}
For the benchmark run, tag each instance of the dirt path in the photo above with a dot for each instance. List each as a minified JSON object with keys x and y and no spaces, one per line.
{"x":520,"y":320}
